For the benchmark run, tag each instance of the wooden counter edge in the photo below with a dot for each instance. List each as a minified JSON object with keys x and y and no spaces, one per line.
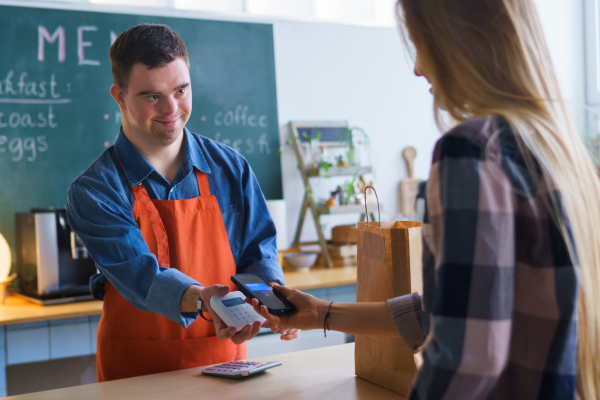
{"x":310,"y":364}
{"x":20,"y":311}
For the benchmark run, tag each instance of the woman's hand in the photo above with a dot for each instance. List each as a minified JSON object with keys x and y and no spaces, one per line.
{"x":308,"y":314}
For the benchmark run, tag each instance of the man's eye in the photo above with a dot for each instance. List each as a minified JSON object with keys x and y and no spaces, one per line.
{"x":181,"y":91}
{"x":153,"y":97}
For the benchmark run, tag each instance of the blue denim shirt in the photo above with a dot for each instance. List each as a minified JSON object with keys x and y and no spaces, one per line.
{"x":100,"y":206}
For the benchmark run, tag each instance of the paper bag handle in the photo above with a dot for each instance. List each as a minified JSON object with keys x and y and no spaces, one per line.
{"x":378,"y":210}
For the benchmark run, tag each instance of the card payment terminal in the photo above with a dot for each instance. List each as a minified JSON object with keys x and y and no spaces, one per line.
{"x":233,"y":311}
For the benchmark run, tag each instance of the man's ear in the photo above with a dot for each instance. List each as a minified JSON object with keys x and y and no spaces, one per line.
{"x":118,"y":94}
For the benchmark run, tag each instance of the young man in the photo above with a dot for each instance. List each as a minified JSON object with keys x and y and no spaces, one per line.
{"x":163,"y":212}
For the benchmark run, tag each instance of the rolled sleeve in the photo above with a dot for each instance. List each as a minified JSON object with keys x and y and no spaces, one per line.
{"x":114,"y":241}
{"x":166,"y":291}
{"x":407,"y":316}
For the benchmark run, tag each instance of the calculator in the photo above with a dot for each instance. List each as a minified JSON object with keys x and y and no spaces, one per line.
{"x":232,"y":309}
{"x":239,"y":369}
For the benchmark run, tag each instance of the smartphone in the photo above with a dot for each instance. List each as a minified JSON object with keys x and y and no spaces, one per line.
{"x":254,"y":286}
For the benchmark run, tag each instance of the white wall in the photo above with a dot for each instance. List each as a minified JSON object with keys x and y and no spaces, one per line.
{"x":361,"y":74}
{"x":563,"y":24}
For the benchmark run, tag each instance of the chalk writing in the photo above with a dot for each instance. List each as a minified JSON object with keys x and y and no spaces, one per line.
{"x":246,"y":146}
{"x":264,"y":144}
{"x":35,"y":101}
{"x":59,"y":34}
{"x":23,"y":147}
{"x":44,"y":35}
{"x":27,"y":91}
{"x":26,"y":120}
{"x":240,"y":116}
{"x":25,"y":87}
{"x":81,"y":44}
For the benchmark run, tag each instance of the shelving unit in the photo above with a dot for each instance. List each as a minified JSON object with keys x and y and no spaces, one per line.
{"x":339,"y":171}
{"x":334,"y":131}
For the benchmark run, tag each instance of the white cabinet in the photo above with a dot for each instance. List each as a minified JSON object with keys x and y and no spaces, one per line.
{"x":94,"y":321}
{"x":70,"y":338}
{"x":27,"y":343}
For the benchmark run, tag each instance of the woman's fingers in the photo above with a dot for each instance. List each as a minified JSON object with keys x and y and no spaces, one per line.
{"x":290,"y":334}
{"x":270,"y":325}
{"x":262,"y":310}
{"x":282,"y":289}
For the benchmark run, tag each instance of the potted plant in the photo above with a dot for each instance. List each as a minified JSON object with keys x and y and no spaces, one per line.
{"x":355,"y":137}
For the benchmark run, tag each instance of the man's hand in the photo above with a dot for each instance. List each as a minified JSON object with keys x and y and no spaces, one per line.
{"x":223,"y":331}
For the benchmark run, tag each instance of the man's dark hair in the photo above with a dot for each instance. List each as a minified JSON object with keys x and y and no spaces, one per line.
{"x":153,"y":45}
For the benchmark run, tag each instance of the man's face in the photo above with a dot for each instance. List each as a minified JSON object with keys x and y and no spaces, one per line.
{"x":157,"y":104}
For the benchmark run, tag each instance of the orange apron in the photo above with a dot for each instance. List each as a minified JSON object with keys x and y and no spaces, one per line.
{"x":188,"y":235}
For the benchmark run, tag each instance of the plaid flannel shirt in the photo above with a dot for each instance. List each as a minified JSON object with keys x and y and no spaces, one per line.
{"x":498,"y":316}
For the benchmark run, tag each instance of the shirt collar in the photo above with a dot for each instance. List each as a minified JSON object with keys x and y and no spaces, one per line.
{"x":193,"y":155}
{"x":137,"y":169}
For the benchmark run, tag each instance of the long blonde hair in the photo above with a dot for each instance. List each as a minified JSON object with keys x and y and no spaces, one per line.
{"x":489,"y":57}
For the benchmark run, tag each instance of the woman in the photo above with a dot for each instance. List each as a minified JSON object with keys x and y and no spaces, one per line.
{"x":512,"y":231}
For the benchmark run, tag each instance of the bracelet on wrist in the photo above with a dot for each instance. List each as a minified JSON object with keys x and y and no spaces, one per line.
{"x":326,"y":321}
{"x":200,"y":312}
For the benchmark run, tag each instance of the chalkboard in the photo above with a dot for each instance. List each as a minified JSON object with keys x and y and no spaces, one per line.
{"x":57,"y":116}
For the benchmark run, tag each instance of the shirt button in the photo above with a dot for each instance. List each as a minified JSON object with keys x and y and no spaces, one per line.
{"x":171,"y":191}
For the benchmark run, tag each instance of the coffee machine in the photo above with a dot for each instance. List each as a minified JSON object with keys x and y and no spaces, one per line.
{"x":53,"y":265}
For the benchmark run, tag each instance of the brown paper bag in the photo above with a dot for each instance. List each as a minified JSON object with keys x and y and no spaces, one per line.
{"x":389,"y":265}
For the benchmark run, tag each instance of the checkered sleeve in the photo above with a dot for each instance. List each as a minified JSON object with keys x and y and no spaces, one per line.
{"x":407,"y":318}
{"x":470,"y":207}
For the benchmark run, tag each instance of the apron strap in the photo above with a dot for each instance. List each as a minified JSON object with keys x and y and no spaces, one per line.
{"x":162,"y":241}
{"x":160,"y":233}
{"x":203,"y":186}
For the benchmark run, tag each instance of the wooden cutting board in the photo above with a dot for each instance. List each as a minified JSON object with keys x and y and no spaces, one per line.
{"x":409,"y":187}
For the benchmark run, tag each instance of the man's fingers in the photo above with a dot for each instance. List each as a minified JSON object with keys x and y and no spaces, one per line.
{"x":243,"y":335}
{"x":255,"y":328}
{"x":210,"y":291}
{"x":219,"y":290}
{"x":226,"y":333}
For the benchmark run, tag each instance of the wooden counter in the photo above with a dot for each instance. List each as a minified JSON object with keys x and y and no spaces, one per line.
{"x":325,"y":373}
{"x":320,"y":277}
{"x":19,"y":311}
